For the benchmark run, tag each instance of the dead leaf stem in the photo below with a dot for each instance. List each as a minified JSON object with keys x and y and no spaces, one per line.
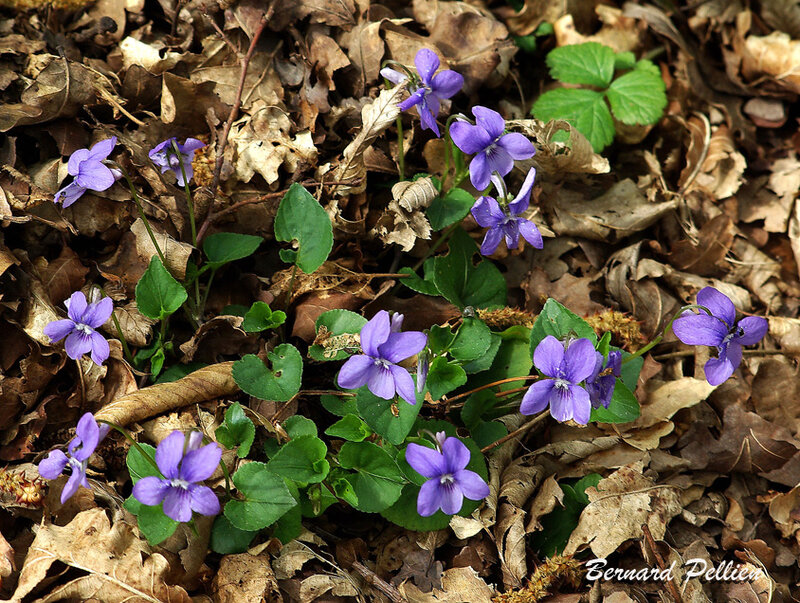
{"x":223,"y":140}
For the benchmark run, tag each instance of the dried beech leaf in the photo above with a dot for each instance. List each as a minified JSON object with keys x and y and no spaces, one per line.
{"x":117,"y":565}
{"x":671,"y":397}
{"x":245,"y":577}
{"x":175,"y":252}
{"x":135,"y":325}
{"x":396,"y":225}
{"x":207,"y":383}
{"x":558,"y":158}
{"x":618,"y":507}
{"x":776,"y":55}
{"x":415,"y":195}
{"x":375,"y":117}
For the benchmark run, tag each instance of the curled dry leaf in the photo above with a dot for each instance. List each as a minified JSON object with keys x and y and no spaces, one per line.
{"x":557,"y":158}
{"x":619,"y":506}
{"x":116,"y":565}
{"x":667,"y":399}
{"x":207,"y":383}
{"x":397,"y":225}
{"x":375,"y":117}
{"x":415,"y":195}
{"x":776,"y":55}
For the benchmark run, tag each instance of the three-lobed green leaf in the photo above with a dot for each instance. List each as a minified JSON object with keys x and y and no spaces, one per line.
{"x":584,"y":109}
{"x":590,"y":63}
{"x":638,"y":97}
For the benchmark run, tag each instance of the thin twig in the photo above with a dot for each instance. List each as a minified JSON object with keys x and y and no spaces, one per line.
{"x":688,"y":353}
{"x":673,"y":590}
{"x":517,"y":432}
{"x":376,"y":581}
{"x":223,"y":141}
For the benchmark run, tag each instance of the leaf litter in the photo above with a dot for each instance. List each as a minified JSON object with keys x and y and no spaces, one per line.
{"x":705,"y":197}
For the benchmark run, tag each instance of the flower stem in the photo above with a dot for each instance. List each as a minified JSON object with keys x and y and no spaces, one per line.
{"x":446,"y":235}
{"x":121,"y":336}
{"x":492,"y":384}
{"x":202,"y":307}
{"x":188,"y":193}
{"x":658,"y":339}
{"x":141,"y":214}
{"x":133,"y":442}
{"x":401,"y":160}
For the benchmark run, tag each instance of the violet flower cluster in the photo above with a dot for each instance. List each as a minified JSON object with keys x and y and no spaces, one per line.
{"x":164,"y":156}
{"x":503,"y":221}
{"x":384,"y":346}
{"x":577,"y":379}
{"x":80,"y":328}
{"x":449,"y":481}
{"x":183,"y":463}
{"x":88,"y":434}
{"x":427,"y":90}
{"x":89,"y":171}
{"x":718,"y":328}
{"x":492,"y":148}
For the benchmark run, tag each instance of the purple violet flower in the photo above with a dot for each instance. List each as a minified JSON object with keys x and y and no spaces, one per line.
{"x":448,"y":479}
{"x":384,"y":346}
{"x":603,"y":379}
{"x":493,"y":150}
{"x":80,"y":327}
{"x":720,"y":330}
{"x":430,"y":91}
{"x":565,"y":369}
{"x":90,"y":173}
{"x":183,"y":463}
{"x":163,"y":155}
{"x":504,"y":221}
{"x":88,"y":435}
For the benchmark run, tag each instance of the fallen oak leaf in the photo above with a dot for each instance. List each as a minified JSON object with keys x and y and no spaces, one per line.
{"x":111,"y":556}
{"x":207,"y":383}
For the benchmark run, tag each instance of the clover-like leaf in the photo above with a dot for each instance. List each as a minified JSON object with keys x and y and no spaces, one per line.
{"x":586,"y":110}
{"x":590,"y":63}
{"x":638,"y":97}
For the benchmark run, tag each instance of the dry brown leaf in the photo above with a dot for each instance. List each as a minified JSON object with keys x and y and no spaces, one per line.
{"x":620,"y":212}
{"x":776,"y":55}
{"x":720,"y":174}
{"x":294,"y":555}
{"x":620,"y":32}
{"x":663,"y":402}
{"x":207,"y":383}
{"x":415,"y":195}
{"x":396,"y":225}
{"x":705,"y":255}
{"x":7,"y":565}
{"x":558,"y":158}
{"x":245,"y":577}
{"x":618,"y":507}
{"x":154,"y":60}
{"x":135,"y":325}
{"x":175,"y":252}
{"x":459,"y":584}
{"x":531,"y":15}
{"x":63,"y":275}
{"x":262,"y":145}
{"x":375,"y":118}
{"x":111,"y":557}
{"x":336,"y":14}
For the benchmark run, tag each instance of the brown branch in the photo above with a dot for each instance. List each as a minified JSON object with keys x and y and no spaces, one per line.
{"x":377,"y":582}
{"x":223,"y":140}
{"x":517,"y":432}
